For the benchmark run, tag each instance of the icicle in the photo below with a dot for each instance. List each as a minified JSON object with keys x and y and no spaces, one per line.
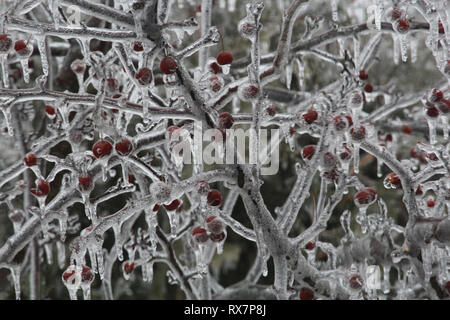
{"x":386,"y":281}
{"x":334,"y":10}
{"x":301,"y":74}
{"x":379,"y":165}
{"x":444,"y":120}
{"x":357,"y":50}
{"x":288,"y":74}
{"x":225,"y":68}
{"x":43,"y":52}
{"x":92,"y":258}
{"x":61,"y":252}
{"x":427,"y":259}
{"x":396,"y":48}
{"x":432,"y":130}
{"x":48,"y":252}
{"x":15,"y":274}
{"x":25,"y":70}
{"x":231,"y":5}
{"x":404,"y":47}
{"x":200,"y":257}
{"x":86,"y":292}
{"x":356,"y":158}
{"x":173,"y":220}
{"x":149,"y":268}
{"x":5,"y":71}
{"x":101,"y":268}
{"x":341,"y":43}
{"x":414,"y":52}
{"x":378,"y":12}
{"x":118,"y":241}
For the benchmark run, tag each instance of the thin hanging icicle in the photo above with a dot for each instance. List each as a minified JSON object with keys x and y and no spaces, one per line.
{"x":378,"y":11}
{"x":42,"y":47}
{"x":334,"y":10}
{"x":118,"y":241}
{"x":414,"y":52}
{"x":61,"y":253}
{"x":404,"y":47}
{"x":396,"y":45}
{"x":357,"y":51}
{"x":15,"y":274}
{"x":301,"y":74}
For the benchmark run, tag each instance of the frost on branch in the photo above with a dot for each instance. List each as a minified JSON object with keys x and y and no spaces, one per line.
{"x":122,"y":167}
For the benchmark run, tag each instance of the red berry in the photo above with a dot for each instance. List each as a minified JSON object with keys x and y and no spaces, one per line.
{"x":342,"y":122}
{"x":128,"y":267}
{"x":102,"y":148}
{"x":42,"y":190}
{"x":406,"y":129}
{"x":432,"y":156}
{"x":202,"y":187}
{"x":248,"y":92}
{"x":168,"y":65}
{"x":292,"y":130}
{"x":226,"y":120}
{"x":247,"y":29}
{"x":50,"y":110}
{"x":30,"y":160}
{"x":393,"y":179}
{"x":368,"y":88}
{"x":5,"y":43}
{"x":356,"y":282}
{"x":173,"y":205}
{"x":306,"y":294}
{"x":310,"y":245}
{"x":415,"y":152}
{"x":444,"y":106}
{"x":402,"y":26}
{"x":68,"y":274}
{"x":365,"y":197}
{"x":328,"y":160}
{"x":199,"y":234}
{"x":435,"y":95}
{"x":432,"y":112}
{"x":20,"y":45}
{"x":224,"y":58}
{"x":419,"y":191}
{"x":85,"y":183}
{"x":144,"y":76}
{"x":215,"y":84}
{"x":396,"y":13}
{"x":358,"y":134}
{"x":346,"y":154}
{"x":310,"y":116}
{"x":112,"y":85}
{"x":124,"y":147}
{"x":214,"y":225}
{"x":87,"y":276}
{"x":78,"y":66}
{"x":214,"y":198}
{"x":217,"y":237}
{"x":441,"y":27}
{"x":215,"y":68}
{"x":137,"y":46}
{"x":363,"y":75}
{"x":308,"y":152}
{"x":430,"y":203}
{"x":271,"y":110}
